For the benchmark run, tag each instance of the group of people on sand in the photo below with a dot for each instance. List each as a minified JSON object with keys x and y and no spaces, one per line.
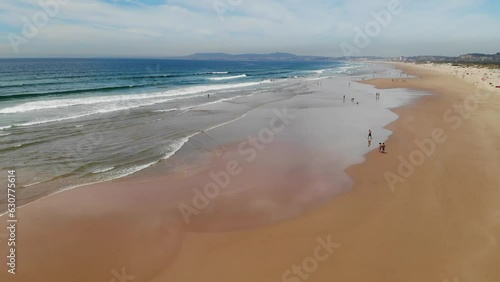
{"x":377,"y":97}
{"x":352,"y":100}
{"x":381,"y":146}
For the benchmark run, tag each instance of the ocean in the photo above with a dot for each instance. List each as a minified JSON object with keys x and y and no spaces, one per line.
{"x":70,"y":122}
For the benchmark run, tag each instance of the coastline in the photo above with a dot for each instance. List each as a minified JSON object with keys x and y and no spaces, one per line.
{"x":375,"y":227}
{"x":202,"y":142}
{"x":114,"y":132}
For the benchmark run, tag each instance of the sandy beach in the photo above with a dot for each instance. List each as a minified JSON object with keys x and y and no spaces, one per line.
{"x":427,"y":210}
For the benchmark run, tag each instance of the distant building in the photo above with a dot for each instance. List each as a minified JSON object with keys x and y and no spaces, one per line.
{"x":399,"y":59}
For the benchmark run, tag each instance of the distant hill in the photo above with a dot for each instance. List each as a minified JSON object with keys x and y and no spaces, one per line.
{"x":253,"y":57}
{"x":477,"y":58}
{"x":467,"y":58}
{"x":363,"y":58}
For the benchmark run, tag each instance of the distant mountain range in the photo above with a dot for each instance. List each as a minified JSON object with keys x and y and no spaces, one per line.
{"x":253,"y":57}
{"x":467,"y":58}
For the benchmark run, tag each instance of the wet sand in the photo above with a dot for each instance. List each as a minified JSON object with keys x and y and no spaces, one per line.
{"x":441,"y":223}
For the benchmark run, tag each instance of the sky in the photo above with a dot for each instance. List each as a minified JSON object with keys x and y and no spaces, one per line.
{"x":164,"y":28}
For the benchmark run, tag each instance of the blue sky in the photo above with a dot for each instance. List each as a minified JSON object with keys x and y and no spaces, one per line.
{"x":159,"y":28}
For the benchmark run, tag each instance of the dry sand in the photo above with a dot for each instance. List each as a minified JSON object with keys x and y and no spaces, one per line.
{"x":485,"y":77}
{"x":442,"y":223}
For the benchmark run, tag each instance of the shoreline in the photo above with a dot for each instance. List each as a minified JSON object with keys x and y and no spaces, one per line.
{"x":434,"y":219}
{"x":159,"y":167}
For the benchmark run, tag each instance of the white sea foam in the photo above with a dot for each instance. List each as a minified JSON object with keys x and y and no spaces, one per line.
{"x":186,"y":109}
{"x":114,"y":108}
{"x":102,"y":170}
{"x":227,"y":77}
{"x":49,"y":120}
{"x":70,"y":102}
{"x":32,"y":184}
{"x":218,"y":72}
{"x":167,"y":110}
{"x":221,"y":100}
{"x":321,"y":71}
{"x":212,"y":72}
{"x":132,"y":170}
{"x":228,"y":122}
{"x":174,"y":148}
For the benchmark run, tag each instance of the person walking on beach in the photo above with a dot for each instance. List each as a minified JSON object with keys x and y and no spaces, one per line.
{"x":344,"y":98}
{"x":370,"y":135}
{"x":380,"y":147}
{"x":383,"y":148}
